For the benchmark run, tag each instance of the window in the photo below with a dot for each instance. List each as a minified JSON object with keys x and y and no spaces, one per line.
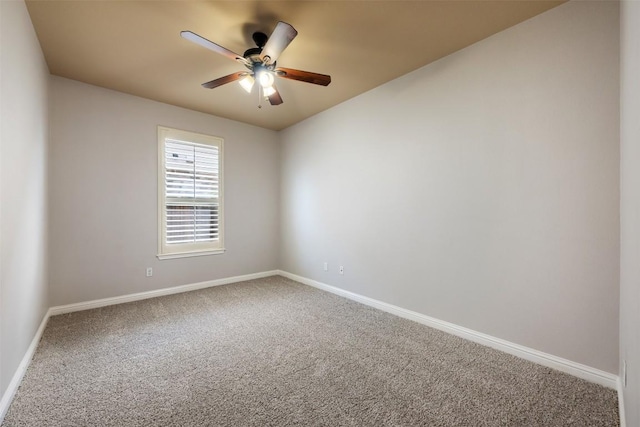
{"x":190,"y":194}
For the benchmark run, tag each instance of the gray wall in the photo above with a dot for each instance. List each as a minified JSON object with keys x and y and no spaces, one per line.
{"x":482,"y":189}
{"x":23,"y":219}
{"x":630,"y":206}
{"x":103,"y":198}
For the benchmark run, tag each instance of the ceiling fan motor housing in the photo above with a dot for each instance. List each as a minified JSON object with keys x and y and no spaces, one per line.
{"x":253,"y":54}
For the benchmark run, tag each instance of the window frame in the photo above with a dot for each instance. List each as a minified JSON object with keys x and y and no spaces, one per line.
{"x":166,"y":251}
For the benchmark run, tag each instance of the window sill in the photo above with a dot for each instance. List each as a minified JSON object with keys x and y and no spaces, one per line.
{"x":191,"y":254}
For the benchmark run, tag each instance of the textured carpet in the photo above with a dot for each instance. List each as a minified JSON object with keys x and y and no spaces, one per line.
{"x":272,"y":352}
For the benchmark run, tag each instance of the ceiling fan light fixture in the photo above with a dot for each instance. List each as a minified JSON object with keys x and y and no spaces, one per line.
{"x":247,"y":83}
{"x":268,"y":91}
{"x":266,"y":79}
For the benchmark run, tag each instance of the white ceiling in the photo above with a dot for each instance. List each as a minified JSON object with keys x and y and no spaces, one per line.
{"x":135,"y":46}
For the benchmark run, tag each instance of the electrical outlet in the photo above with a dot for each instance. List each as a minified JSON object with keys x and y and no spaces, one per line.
{"x":624,"y":373}
{"x":341,"y":269}
{"x":149,"y":271}
{"x":326,"y":266}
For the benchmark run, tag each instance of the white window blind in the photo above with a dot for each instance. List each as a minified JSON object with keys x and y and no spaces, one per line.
{"x":191,"y":219}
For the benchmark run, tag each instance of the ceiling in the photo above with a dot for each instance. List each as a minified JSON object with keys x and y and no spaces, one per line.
{"x":135,"y":46}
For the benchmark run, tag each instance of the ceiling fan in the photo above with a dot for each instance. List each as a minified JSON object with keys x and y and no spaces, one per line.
{"x":261,"y":62}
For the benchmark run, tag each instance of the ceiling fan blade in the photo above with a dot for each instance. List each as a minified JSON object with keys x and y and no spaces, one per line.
{"x":193,"y":37}
{"x":279,"y":40}
{"x":224,"y":80}
{"x":275,"y":98}
{"x":303,"y":76}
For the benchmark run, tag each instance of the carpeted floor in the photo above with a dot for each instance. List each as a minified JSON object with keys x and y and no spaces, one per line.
{"x":272,"y":352}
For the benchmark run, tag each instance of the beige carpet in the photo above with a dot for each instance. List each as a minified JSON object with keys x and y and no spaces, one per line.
{"x":272,"y":352}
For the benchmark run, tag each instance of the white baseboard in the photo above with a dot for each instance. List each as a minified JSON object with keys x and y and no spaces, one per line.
{"x":573,"y":368}
{"x":623,"y":416}
{"x":88,"y":305}
{"x":11,"y":390}
{"x":8,"y":395}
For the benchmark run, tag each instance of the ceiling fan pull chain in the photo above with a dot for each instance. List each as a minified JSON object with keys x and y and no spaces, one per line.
{"x":259,"y":96}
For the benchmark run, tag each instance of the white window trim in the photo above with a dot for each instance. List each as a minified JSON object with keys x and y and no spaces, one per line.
{"x":189,"y":249}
